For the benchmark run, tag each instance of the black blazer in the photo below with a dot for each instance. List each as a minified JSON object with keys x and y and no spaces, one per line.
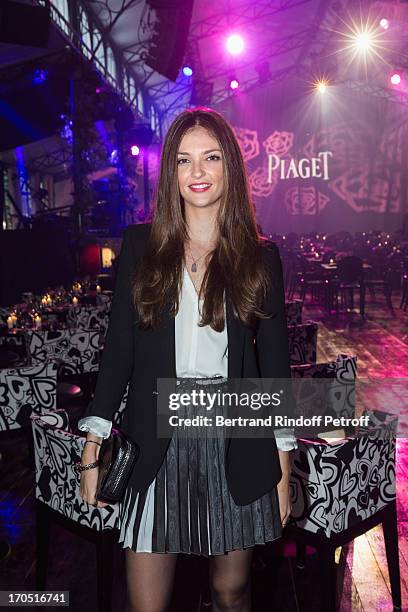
{"x":142,"y":356}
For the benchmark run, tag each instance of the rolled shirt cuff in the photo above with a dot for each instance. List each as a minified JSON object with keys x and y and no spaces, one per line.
{"x":96,"y":425}
{"x":285,"y":440}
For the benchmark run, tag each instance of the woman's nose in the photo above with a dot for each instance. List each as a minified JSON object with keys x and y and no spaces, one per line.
{"x":196,"y":168}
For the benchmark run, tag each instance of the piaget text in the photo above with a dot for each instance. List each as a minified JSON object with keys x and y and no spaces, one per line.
{"x":317,"y":167}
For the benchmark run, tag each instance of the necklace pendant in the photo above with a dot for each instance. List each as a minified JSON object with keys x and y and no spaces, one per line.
{"x":194,"y":267}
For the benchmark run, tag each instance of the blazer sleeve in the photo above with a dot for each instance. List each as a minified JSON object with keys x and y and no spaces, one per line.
{"x":118,"y":354}
{"x":272,"y":341}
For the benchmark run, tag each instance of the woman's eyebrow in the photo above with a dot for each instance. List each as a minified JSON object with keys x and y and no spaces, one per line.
{"x":204,"y":152}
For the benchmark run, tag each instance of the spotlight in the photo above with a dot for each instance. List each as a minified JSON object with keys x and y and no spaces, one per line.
{"x":363,"y":41}
{"x":321,"y":86}
{"x":234,"y":84}
{"x":134,"y":150}
{"x":187,"y":71}
{"x":39,"y":76}
{"x":395,"y":78}
{"x":235,"y":44}
{"x":384,"y":24}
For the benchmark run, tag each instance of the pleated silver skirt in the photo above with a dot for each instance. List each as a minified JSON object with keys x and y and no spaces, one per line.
{"x":188,"y":507}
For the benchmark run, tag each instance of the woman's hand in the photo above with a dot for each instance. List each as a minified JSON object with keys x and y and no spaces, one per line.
{"x":89,"y":478}
{"x":285,"y":506}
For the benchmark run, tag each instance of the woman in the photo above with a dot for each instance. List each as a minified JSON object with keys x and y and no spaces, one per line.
{"x":198,"y":297}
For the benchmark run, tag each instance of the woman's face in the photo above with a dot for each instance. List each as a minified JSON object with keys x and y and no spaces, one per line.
{"x":200,"y":169}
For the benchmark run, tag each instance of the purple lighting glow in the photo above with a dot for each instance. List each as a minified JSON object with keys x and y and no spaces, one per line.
{"x":395,"y":78}
{"x":235,"y":44}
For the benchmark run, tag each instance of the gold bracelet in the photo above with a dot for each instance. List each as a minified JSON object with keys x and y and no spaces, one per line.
{"x":93,"y":442}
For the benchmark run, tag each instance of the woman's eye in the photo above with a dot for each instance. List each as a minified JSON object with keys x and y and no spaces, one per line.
{"x":183,"y":159}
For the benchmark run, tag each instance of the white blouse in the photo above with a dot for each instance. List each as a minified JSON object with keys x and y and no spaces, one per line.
{"x":201,"y":352}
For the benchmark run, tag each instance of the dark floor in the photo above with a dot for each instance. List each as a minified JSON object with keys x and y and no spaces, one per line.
{"x":381,"y":344}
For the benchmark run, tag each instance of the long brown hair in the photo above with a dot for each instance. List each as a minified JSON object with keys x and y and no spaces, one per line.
{"x":236,"y":265}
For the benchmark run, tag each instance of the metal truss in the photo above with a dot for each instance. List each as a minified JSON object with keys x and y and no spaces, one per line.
{"x":242,"y":14}
{"x":53,"y":162}
{"x":224,"y":94}
{"x":49,"y":162}
{"x":372,"y":89}
{"x":173,"y":97}
{"x":169,"y":96}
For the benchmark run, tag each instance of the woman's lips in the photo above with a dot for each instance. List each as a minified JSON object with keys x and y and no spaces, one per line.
{"x":199,"y":189}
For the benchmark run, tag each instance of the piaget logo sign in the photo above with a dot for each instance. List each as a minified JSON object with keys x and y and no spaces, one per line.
{"x":307,"y":167}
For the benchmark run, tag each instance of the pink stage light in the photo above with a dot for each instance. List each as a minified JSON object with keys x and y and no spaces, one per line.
{"x":234,"y":84}
{"x":235,"y":44}
{"x":134,"y":150}
{"x":384,"y":23}
{"x":395,"y":78}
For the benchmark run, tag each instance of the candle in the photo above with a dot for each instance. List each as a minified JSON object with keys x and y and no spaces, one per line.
{"x":331,"y":261}
{"x":10,"y":322}
{"x":75,"y":301}
{"x":44,"y":300}
{"x":98,"y":288}
{"x":37,"y":321}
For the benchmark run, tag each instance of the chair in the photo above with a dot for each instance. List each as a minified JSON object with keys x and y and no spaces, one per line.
{"x":77,"y":351}
{"x":302,"y":343}
{"x":26,"y":390}
{"x":294,"y":312}
{"x":13,"y":350}
{"x":304,"y":276}
{"x":326,"y":389}
{"x":379,"y":277}
{"x":89,"y":317}
{"x":58,"y":501}
{"x":350,"y":276}
{"x":341,"y":490}
{"x":404,"y":294}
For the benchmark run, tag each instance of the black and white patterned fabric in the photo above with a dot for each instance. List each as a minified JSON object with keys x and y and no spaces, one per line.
{"x":334,"y":486}
{"x":294,"y":312}
{"x":57,"y":484}
{"x":104,"y":299}
{"x":302,"y":343}
{"x":326,"y":389}
{"x":26,"y":390}
{"x":77,"y":350}
{"x":88,"y":317}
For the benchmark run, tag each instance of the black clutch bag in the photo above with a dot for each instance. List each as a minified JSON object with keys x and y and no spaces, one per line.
{"x":117,"y":457}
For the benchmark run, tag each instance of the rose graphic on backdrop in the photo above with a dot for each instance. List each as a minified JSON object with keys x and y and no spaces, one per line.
{"x":305,"y":201}
{"x":278,"y":143}
{"x":258,"y":182}
{"x":248,"y":142}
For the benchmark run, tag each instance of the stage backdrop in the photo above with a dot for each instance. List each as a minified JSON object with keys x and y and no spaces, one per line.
{"x":328,"y":162}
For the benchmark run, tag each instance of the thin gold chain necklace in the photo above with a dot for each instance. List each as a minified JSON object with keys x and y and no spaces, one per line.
{"x":194,"y":264}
